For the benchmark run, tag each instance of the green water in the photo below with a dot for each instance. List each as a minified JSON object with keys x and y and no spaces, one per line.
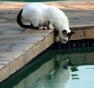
{"x":56,"y":70}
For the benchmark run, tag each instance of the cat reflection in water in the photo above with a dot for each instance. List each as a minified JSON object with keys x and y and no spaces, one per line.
{"x":57,"y":77}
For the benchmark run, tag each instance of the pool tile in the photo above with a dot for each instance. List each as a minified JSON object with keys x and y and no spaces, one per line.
{"x":43,"y":45}
{"x":78,"y":35}
{"x":89,"y":58}
{"x":19,"y":61}
{"x":31,"y":53}
{"x":64,"y":46}
{"x":74,"y":44}
{"x":11,"y":62}
{"x":91,"y":43}
{"x":55,"y":45}
{"x":50,"y":39}
{"x":76,"y":58}
{"x":83,"y":43}
{"x":89,"y":33}
{"x":12,"y":66}
{"x":4,"y":73}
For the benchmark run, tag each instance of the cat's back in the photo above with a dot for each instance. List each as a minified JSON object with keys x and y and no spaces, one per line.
{"x":56,"y":15}
{"x":41,"y":6}
{"x":55,"y":12}
{"x":35,"y":6}
{"x":33,"y":9}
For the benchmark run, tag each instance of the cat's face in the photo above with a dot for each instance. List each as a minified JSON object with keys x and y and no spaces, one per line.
{"x":64,"y":35}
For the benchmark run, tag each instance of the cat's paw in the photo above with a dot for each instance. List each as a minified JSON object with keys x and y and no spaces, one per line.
{"x":43,"y":28}
{"x":56,"y":38}
{"x":51,"y":27}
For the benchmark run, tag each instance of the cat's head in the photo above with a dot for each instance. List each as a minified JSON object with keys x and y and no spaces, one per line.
{"x":64,"y":35}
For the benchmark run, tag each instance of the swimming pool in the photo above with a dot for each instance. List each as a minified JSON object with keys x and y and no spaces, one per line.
{"x":56,"y":70}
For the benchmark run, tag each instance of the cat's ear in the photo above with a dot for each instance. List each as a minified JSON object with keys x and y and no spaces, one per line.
{"x":72,"y":32}
{"x":64,"y":32}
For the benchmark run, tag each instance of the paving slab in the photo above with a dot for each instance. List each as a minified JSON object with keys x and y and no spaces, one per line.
{"x":78,"y":35}
{"x":89,"y":33}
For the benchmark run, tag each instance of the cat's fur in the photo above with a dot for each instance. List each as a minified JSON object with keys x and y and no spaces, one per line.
{"x":40,"y":14}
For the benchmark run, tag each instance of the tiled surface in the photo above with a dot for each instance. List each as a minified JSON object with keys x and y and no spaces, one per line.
{"x":18,"y":46}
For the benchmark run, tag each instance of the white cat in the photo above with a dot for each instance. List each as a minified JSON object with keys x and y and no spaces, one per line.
{"x":41,"y":16}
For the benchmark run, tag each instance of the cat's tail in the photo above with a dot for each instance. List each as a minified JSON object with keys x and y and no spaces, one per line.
{"x":19,"y":20}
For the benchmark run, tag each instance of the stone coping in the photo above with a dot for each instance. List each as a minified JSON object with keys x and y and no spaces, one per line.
{"x":82,"y":32}
{"x":16,"y":50}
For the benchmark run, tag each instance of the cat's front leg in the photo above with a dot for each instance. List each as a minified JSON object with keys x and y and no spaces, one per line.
{"x":56,"y":33}
{"x":50,"y":25}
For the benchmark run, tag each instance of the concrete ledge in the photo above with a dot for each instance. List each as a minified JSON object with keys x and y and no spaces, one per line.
{"x":82,"y":32}
{"x":16,"y":56}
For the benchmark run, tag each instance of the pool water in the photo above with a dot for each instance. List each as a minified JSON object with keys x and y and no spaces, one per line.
{"x":82,"y":78}
{"x":56,"y":70}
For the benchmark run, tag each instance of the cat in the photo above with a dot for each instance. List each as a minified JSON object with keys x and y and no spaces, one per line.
{"x":42,"y":16}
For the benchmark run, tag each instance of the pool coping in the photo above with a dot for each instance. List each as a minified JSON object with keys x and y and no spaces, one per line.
{"x":10,"y":65}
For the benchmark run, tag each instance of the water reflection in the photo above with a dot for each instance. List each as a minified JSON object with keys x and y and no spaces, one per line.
{"x":52,"y":74}
{"x":57,"y":76}
{"x":57,"y":71}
